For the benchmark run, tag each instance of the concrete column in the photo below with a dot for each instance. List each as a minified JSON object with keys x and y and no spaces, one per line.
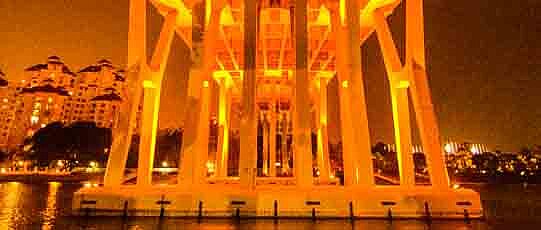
{"x":350,"y":166}
{"x":428,"y":128}
{"x":420,"y":91}
{"x":322,"y":135}
{"x":302,"y":161}
{"x":361,"y":141}
{"x":285,"y":154}
{"x":116,"y":163}
{"x":266,"y":140}
{"x":195,"y":141}
{"x":151,"y":102}
{"x":190,"y":140}
{"x":272,"y":150}
{"x":399,"y":100}
{"x":149,"y":127}
{"x":223,"y":129}
{"x":358,"y":169}
{"x":248,"y":121}
{"x":137,"y":32}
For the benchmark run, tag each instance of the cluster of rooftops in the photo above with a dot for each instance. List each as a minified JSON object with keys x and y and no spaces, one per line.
{"x":48,"y":87}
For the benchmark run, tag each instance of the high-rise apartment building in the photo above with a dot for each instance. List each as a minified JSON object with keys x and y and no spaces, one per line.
{"x":97,"y":95}
{"x":6,"y":111}
{"x":51,"y":92}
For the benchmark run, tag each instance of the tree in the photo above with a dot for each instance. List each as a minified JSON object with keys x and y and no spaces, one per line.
{"x":80,"y":141}
{"x":420,"y":162}
{"x":381,"y":148}
{"x":4,"y":156}
{"x":168,"y":147}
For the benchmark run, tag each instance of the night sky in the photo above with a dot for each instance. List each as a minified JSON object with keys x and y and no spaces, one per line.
{"x":484,"y":61}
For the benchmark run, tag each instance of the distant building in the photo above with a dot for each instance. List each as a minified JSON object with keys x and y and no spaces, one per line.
{"x":44,"y":90}
{"x":451,"y":147}
{"x":51,"y":92}
{"x":7,"y":111}
{"x":97,"y":95}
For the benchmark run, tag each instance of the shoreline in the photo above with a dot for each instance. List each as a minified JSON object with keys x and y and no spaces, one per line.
{"x":44,"y":177}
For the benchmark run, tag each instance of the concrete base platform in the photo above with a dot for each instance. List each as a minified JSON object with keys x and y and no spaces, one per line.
{"x":281,"y":201}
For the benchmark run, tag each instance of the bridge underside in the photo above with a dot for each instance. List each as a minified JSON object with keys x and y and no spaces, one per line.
{"x":269,"y":63}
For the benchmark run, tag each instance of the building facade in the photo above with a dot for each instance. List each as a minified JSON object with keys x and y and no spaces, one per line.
{"x":51,"y":92}
{"x":7,"y":111}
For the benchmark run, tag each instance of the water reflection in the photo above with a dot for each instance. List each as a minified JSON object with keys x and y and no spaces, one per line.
{"x":9,"y":214}
{"x":50,"y":212}
{"x":286,"y":224}
{"x":47,"y":205}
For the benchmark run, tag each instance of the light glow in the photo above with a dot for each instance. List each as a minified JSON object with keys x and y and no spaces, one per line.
{"x":448,"y":148}
{"x":345,"y":84}
{"x":342,"y":12}
{"x":211,"y":167}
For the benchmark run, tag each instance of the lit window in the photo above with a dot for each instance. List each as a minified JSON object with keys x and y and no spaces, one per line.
{"x":34,"y":120}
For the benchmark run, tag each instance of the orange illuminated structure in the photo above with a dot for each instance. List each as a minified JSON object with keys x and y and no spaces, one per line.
{"x":271,"y":60}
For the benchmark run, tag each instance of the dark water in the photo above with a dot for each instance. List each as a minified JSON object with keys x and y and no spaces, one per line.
{"x":47,"y":206}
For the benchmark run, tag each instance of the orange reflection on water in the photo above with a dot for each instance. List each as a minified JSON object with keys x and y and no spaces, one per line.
{"x":50,"y":212}
{"x":10,"y":213}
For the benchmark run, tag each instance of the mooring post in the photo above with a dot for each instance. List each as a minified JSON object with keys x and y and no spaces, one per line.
{"x":466,"y":216}
{"x":237,"y":213}
{"x":390,"y":215}
{"x":428,"y":216}
{"x":275,"y":209}
{"x":351,"y":211}
{"x":125,"y":213}
{"x":162,"y":207}
{"x":200,"y":210}
{"x":313,"y":214}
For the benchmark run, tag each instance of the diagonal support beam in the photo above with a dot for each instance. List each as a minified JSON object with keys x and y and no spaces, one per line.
{"x":328,"y":61}
{"x":283,"y":44}
{"x":319,"y":47}
{"x":229,"y":49}
{"x":264,"y":44}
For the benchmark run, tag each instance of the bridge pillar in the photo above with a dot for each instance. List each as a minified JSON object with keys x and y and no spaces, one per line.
{"x":302,"y":160}
{"x":195,"y":140}
{"x":399,"y":84}
{"x":420,"y":92}
{"x":358,"y":168}
{"x":350,"y":163}
{"x":358,"y":101}
{"x":272,"y":128}
{"x":151,"y":101}
{"x":122,"y":135}
{"x":322,"y":134}
{"x":248,"y":122}
{"x":400,"y":103}
{"x":224,"y":108}
{"x":149,"y":125}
